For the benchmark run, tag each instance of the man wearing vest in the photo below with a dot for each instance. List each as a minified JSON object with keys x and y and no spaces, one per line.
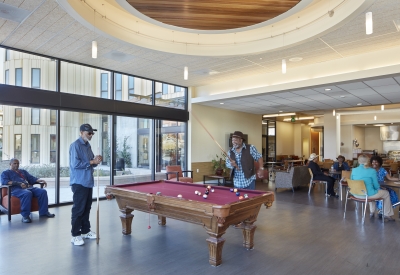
{"x":242,"y":157}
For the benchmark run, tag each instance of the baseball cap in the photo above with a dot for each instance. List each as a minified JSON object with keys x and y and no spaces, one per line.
{"x":87,"y":127}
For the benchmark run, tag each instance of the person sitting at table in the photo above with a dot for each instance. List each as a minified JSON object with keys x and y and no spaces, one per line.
{"x":368,"y":175}
{"x":382,"y":174}
{"x":340,"y":165}
{"x":319,"y":175}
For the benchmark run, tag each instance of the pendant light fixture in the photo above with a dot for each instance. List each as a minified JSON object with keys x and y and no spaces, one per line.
{"x":333,"y":113}
{"x":368,"y":23}
{"x":374,"y":117}
{"x":382,"y":107}
{"x":283,"y":66}
{"x":185,"y":73}
{"x":94,"y":42}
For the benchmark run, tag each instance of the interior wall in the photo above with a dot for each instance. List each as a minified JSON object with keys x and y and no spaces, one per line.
{"x":220,"y":123}
{"x":359,"y":134}
{"x":346,"y":137}
{"x":373,"y":139}
{"x":284,"y":138}
{"x":297,"y":140}
{"x":306,"y":140}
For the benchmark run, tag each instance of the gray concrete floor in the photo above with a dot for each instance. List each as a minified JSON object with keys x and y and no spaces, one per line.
{"x":299,"y":234}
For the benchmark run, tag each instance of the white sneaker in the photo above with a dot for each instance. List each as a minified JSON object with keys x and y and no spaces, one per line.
{"x":90,"y":235}
{"x":77,"y":240}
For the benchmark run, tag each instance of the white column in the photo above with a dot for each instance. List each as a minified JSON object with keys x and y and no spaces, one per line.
{"x":331,"y":136}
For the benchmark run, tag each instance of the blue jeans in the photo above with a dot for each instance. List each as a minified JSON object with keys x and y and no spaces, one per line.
{"x":80,"y":212}
{"x":25,"y":196}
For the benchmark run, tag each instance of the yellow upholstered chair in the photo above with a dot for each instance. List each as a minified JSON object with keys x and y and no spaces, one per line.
{"x":358,"y":188}
{"x":312,"y":181}
{"x":343,"y":182}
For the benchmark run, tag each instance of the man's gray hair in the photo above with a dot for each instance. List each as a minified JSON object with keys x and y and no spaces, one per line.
{"x":13,"y":159}
{"x":363,"y":159}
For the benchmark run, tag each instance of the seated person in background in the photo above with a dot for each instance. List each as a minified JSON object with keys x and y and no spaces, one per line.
{"x":319,"y":175}
{"x":368,"y":175}
{"x":340,"y":165}
{"x":382,"y":174}
{"x":22,"y":187}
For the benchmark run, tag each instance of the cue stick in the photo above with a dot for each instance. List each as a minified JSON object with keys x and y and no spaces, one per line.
{"x":98,"y":206}
{"x":225,"y":154}
{"x":223,"y":151}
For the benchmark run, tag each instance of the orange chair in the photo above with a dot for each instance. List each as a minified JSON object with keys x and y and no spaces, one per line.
{"x":175,"y":173}
{"x":12,"y":205}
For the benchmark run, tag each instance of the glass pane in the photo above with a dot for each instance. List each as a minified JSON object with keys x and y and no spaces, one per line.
{"x":53,"y":148}
{"x":35,"y":116}
{"x":170,"y":96}
{"x":83,"y":80}
{"x":35,"y":148}
{"x":69,"y":130}
{"x":23,"y":69}
{"x":18,"y":77}
{"x":53,"y":117}
{"x":133,"y":151}
{"x":35,"y":78}
{"x":7,"y":77}
{"x":18,"y":116}
{"x":170,"y":146}
{"x":30,"y":145}
{"x":133,"y":89}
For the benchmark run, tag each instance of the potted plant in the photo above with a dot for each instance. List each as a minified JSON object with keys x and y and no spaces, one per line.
{"x":219,"y":165}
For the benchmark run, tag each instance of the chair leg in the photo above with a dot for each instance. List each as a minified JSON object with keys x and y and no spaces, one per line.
{"x":365,"y":209}
{"x":326,"y":189}
{"x":383,"y":212}
{"x":345,"y":205}
{"x":309,"y":189}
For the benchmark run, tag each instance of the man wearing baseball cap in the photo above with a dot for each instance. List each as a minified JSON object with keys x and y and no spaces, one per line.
{"x":81,"y":165}
{"x":319,"y":175}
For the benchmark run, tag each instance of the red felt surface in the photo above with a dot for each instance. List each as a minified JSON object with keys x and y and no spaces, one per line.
{"x":222,"y":195}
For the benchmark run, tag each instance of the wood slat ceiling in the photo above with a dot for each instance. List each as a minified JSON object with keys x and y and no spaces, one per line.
{"x":212,"y":14}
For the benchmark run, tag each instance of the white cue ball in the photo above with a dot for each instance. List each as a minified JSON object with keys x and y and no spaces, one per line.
{"x":179,"y":196}
{"x":205,"y":196}
{"x":196,"y":192}
{"x":212,"y":190}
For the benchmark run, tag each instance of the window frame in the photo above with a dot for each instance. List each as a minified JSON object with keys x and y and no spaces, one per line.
{"x":16,"y":75}
{"x":15,"y":116}
{"x":7,"y":77}
{"x":33,"y":70}
{"x":17,"y":153}
{"x":32,"y":110}
{"x":103,"y":91}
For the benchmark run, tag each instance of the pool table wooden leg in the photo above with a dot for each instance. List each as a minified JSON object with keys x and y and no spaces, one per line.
{"x":126,"y":220}
{"x":215,"y":244}
{"x":248,"y":235}
{"x":162,"y":220}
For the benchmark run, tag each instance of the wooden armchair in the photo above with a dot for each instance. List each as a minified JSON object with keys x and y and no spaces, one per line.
{"x":175,"y":173}
{"x":12,"y":205}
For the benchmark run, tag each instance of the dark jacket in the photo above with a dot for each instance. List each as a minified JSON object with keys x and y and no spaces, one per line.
{"x":247,"y":162}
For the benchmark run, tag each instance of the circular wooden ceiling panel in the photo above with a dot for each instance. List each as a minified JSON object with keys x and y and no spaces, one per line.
{"x":212,"y":14}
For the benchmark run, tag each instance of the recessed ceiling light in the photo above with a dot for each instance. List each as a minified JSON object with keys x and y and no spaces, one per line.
{"x":358,"y":104}
{"x":221,"y":103}
{"x":296,"y":59}
{"x":342,"y":96}
{"x":379,"y":124}
{"x":328,"y":89}
{"x":280,"y":111}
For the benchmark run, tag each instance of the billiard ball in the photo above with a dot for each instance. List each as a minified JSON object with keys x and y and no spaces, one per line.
{"x":246,"y":196}
{"x":240,"y":197}
{"x":199,"y":193}
{"x":235,"y":190}
{"x":179,"y":196}
{"x":206,"y":192}
{"x":237,"y":193}
{"x":158,"y":194}
{"x":205,"y":196}
{"x":231,"y":189}
{"x":208,"y":187}
{"x":212,"y":190}
{"x":196,"y":192}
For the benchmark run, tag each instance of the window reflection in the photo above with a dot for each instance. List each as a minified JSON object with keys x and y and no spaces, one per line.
{"x":170,"y":96}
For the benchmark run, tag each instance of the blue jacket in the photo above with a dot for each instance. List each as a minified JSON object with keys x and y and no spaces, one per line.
{"x":368,"y":175}
{"x":80,"y":155}
{"x":345,"y":166}
{"x":10,"y":175}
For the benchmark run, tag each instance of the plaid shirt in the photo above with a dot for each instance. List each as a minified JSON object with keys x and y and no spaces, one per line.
{"x":239,"y":179}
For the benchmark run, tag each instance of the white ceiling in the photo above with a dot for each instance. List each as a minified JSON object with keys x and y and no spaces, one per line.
{"x":316,"y":99}
{"x":50,"y":30}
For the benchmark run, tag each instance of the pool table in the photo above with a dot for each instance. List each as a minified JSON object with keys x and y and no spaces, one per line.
{"x":216,"y":213}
